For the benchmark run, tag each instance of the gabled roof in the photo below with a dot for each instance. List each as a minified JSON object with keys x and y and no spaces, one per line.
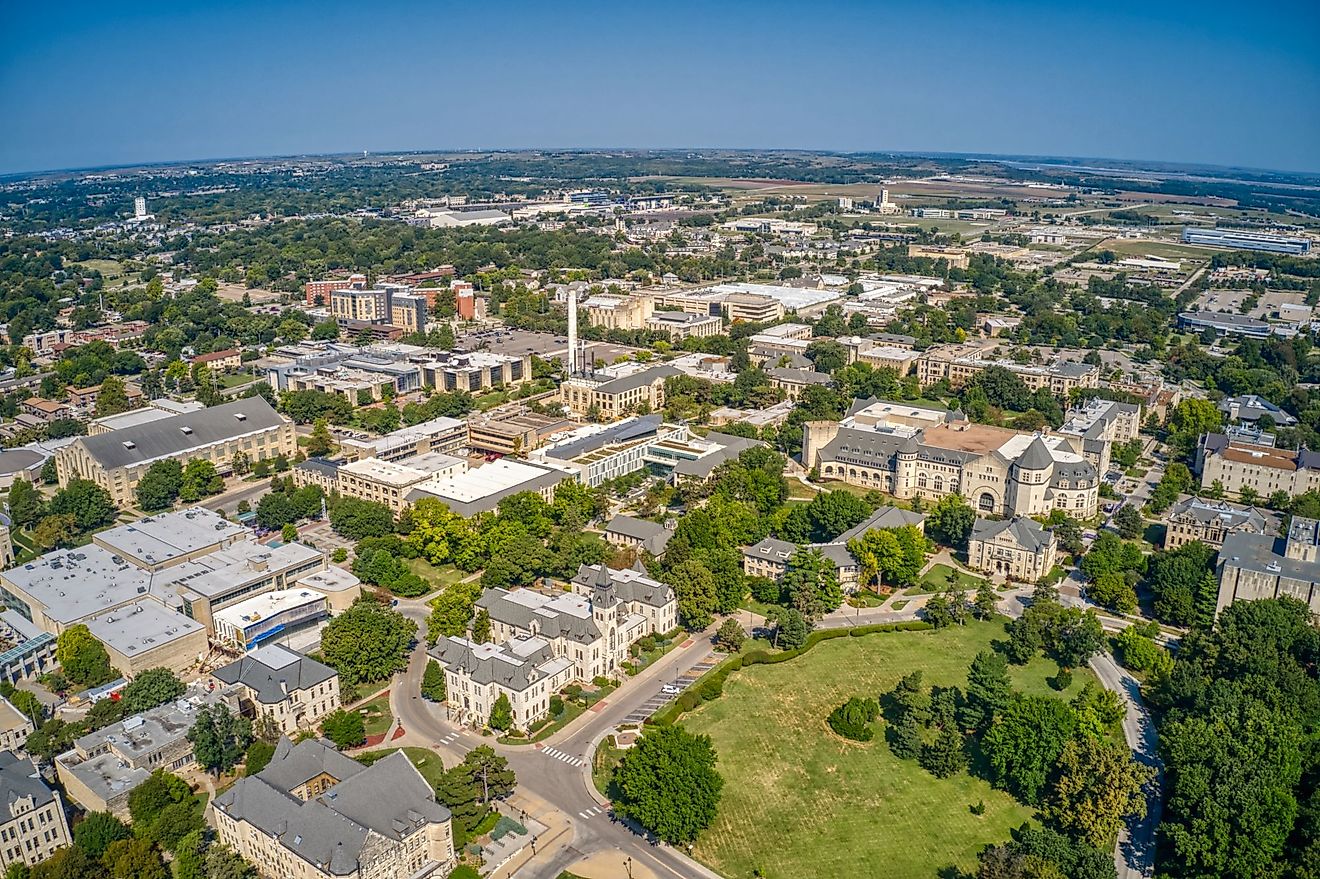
{"x":272,"y":670}
{"x":168,"y":437}
{"x":654,"y":537}
{"x":1036,"y":457}
{"x":1027,"y":533}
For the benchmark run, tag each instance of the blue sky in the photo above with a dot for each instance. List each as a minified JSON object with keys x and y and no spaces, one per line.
{"x":85,"y":84}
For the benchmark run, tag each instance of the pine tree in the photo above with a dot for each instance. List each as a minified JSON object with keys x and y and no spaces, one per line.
{"x":433,"y":682}
{"x":481,"y":633}
{"x":905,"y":738}
{"x":945,"y":756}
{"x":501,"y":714}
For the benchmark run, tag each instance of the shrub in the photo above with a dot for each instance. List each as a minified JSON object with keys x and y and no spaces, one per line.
{"x":852,"y":719}
{"x":600,"y":681}
{"x":556,"y":706}
{"x":1062,"y":680}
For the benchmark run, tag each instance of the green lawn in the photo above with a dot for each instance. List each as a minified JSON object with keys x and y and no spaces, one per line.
{"x":799,"y":801}
{"x":427,"y":762}
{"x":937,"y":579}
{"x":376,"y":715}
{"x":442,"y":577}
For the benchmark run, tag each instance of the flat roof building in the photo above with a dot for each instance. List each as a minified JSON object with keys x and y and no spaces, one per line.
{"x":480,"y":489}
{"x":1245,"y":239}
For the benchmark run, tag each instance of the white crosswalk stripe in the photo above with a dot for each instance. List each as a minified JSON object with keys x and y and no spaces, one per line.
{"x":566,"y":758}
{"x":592,"y":812}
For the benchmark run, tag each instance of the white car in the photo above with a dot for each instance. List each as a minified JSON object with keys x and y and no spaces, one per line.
{"x":671,"y":689}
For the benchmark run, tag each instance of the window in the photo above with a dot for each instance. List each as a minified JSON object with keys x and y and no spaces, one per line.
{"x":986,"y":502}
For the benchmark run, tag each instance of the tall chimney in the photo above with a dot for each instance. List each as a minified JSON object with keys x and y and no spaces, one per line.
{"x":572,"y":332}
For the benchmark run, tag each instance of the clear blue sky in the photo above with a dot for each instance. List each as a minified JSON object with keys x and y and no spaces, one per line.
{"x":85,"y":84}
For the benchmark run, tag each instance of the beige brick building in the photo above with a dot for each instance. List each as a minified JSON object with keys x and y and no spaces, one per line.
{"x":960,"y":363}
{"x":613,"y":398}
{"x":1240,"y":463}
{"x":118,"y":460}
{"x":294,"y":692}
{"x":1212,"y":522}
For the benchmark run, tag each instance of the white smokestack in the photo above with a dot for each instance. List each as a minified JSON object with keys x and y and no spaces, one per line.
{"x":572,"y":332}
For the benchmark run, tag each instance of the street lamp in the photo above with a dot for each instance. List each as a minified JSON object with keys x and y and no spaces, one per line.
{"x":628,"y":864}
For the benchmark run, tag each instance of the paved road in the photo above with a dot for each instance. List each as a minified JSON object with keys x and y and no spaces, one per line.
{"x":1134,"y":856}
{"x":555,"y":771}
{"x":229,"y":500}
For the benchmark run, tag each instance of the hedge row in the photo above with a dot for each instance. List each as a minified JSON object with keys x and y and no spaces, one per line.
{"x":711,"y":685}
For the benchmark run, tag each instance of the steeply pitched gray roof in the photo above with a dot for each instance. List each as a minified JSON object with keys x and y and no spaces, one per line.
{"x":1036,"y":457}
{"x":294,"y":765}
{"x":19,"y":779}
{"x":883,"y":517}
{"x":264,"y":671}
{"x":625,"y":585}
{"x":638,"y":379}
{"x":177,"y":434}
{"x":654,"y":537}
{"x":390,"y":797}
{"x":1027,"y":533}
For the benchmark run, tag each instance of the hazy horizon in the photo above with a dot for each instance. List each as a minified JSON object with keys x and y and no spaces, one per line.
{"x":85,"y":86}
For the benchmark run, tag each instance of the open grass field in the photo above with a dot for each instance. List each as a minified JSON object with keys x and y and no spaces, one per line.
{"x":937,"y":578}
{"x":1136,"y":247}
{"x":442,"y":577}
{"x":376,"y":717}
{"x":799,"y":801}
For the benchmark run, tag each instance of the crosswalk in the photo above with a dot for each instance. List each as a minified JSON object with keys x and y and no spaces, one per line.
{"x":449,"y":739}
{"x":591,"y":813}
{"x":566,"y":758}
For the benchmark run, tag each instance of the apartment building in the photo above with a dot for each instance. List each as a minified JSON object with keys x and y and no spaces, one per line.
{"x":228,"y":360}
{"x":619,"y":312}
{"x":1240,"y":460}
{"x":959,"y":363}
{"x":1212,"y":522}
{"x":33,"y":825}
{"x":609,"y":398}
{"x":314,"y":813}
{"x":408,"y":312}
{"x":84,"y":399}
{"x":317,"y":293}
{"x":1018,"y":548}
{"x":476,"y":371}
{"x":118,"y":460}
{"x":291,"y":690}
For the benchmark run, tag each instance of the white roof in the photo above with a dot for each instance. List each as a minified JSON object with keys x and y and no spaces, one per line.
{"x":482,"y":481}
{"x":1058,"y":446}
{"x":790,"y":297}
{"x":265,"y":606}
{"x":159,"y":539}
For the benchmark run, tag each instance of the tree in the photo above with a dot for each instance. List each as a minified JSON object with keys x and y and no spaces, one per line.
{"x":174,"y":822}
{"x":1022,"y":745}
{"x":950,"y":521}
{"x":160,"y":485}
{"x":82,"y":658}
{"x":88,"y":503}
{"x":345,"y":728}
{"x":1096,"y":787}
{"x":97,"y":831}
{"x":694,"y":587}
{"x":1129,"y":522}
{"x":55,"y":531}
{"x":468,"y":787}
{"x":1042,"y":853}
{"x":433,"y":682}
{"x":905,"y":738}
{"x":320,"y":443}
{"x":258,"y":757}
{"x":190,"y":857}
{"x":219,"y":738}
{"x":367,"y":642}
{"x":986,"y":603}
{"x":357,"y":519}
{"x":481,"y":628}
{"x":200,"y":479}
{"x":26,"y":505}
{"x":1138,"y":651}
{"x":894,"y":555}
{"x":1175,"y":577}
{"x":730,"y":636}
{"x":988,"y":690}
{"x":149,"y":799}
{"x":811,"y":583}
{"x":151,"y":688}
{"x":240,"y":463}
{"x":134,"y":859}
{"x":452,"y":610}
{"x":791,"y":628}
{"x":501,"y":714}
{"x":853,"y":718}
{"x":668,"y":784}
{"x":112,"y":398}
{"x":946,"y":755}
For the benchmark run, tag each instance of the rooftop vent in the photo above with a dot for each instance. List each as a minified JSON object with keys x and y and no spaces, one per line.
{"x":186,"y":430}
{"x":240,"y":416}
{"x":129,"y":444}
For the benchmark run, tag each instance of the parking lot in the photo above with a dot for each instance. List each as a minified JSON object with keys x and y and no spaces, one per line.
{"x":660,"y":698}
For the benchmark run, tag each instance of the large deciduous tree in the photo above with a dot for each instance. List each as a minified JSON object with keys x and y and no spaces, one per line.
{"x":367,"y":642}
{"x":668,"y":784}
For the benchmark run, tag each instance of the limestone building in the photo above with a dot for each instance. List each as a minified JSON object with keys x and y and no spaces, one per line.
{"x":32,"y":820}
{"x":1255,"y":566}
{"x":611,"y":398}
{"x":1001,"y":472}
{"x":1018,"y":548}
{"x":1097,"y":425}
{"x":1212,"y":522}
{"x":1240,"y":460}
{"x":313,"y":813}
{"x":290,"y":689}
{"x":118,"y":460}
{"x":960,"y":363}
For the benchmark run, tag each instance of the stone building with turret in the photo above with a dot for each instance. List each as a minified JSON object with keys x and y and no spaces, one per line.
{"x":541,"y":643}
{"x":1001,"y":472}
